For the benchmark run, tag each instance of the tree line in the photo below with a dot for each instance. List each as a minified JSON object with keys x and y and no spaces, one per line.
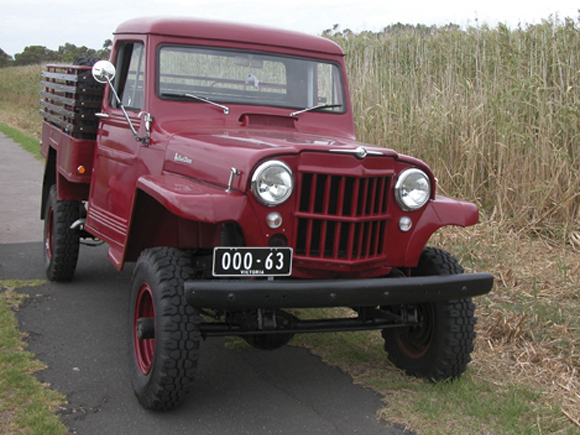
{"x":67,"y":53}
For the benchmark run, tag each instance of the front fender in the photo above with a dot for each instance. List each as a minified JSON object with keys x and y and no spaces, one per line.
{"x":193,"y":200}
{"x":440,"y":212}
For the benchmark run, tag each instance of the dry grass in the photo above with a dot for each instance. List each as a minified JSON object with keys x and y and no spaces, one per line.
{"x":529,"y":325}
{"x":493,"y":111}
{"x":525,"y":372}
{"x":20,"y":99}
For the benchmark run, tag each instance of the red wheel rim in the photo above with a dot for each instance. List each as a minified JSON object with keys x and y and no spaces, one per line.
{"x":144,"y":348}
{"x":415,"y":342}
{"x":411,"y":348}
{"x":48,"y":235}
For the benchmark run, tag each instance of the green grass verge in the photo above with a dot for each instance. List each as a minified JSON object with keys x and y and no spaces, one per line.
{"x":29,"y":143}
{"x":473,"y":404}
{"x":26,"y":405}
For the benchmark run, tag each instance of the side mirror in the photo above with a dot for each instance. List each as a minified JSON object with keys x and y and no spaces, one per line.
{"x":103,"y":71}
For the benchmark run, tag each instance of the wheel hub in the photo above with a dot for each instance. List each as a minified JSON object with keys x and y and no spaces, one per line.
{"x":145,"y":328}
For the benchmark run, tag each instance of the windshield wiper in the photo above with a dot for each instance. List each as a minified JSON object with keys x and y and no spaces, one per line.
{"x":226,"y":109}
{"x":317,"y":107}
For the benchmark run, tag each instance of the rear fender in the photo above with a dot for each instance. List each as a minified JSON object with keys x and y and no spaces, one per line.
{"x":48,"y":180}
{"x":67,"y":187}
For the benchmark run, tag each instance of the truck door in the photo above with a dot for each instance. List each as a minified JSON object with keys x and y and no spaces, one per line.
{"x":116,"y":166}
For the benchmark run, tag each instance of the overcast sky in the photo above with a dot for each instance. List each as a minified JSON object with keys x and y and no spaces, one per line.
{"x":55,"y":22}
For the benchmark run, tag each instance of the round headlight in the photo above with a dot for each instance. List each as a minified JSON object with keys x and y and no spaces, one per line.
{"x":412,"y":189}
{"x":272,"y":182}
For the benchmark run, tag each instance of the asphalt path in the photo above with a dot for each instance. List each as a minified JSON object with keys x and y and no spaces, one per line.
{"x":79,"y":330}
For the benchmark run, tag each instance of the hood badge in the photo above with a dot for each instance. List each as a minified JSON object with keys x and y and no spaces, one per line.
{"x":360,"y":152}
{"x":179,"y":158}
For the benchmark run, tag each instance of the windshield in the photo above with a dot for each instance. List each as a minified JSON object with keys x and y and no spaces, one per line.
{"x":238,"y":77}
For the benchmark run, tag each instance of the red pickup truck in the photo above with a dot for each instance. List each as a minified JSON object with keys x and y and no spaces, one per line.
{"x":222,"y":159}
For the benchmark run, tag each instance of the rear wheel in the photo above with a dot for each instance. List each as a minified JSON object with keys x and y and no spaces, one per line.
{"x":440,"y":345}
{"x":61,"y":242}
{"x":164,"y":331}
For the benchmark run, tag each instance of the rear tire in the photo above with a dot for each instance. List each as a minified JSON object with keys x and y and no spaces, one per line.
{"x":61,"y":243}
{"x":440,"y":348}
{"x":164,"y":344}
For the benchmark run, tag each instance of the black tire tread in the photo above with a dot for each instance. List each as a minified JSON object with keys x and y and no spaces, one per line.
{"x":456,"y":331}
{"x":177,"y":341}
{"x":65,"y":243}
{"x":435,"y":261}
{"x":452,"y":362}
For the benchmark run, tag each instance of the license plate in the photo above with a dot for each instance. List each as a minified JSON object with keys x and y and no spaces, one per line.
{"x":252,"y":261}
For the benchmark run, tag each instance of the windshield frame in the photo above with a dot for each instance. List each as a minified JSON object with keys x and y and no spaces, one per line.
{"x":336,"y":75}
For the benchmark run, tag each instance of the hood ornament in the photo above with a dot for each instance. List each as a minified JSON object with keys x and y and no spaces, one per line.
{"x":360,"y":152}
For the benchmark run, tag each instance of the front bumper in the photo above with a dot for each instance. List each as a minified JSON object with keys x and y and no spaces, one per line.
{"x":242,"y":294}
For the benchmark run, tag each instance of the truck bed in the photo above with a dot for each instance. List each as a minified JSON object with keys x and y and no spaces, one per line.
{"x":70,"y":99}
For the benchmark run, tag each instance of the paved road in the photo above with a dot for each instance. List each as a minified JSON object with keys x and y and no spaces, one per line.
{"x":20,"y":181}
{"x":78,"y":329}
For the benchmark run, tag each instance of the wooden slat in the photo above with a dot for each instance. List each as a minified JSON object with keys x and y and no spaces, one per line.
{"x":58,"y":121}
{"x":59,"y":76}
{"x":58,"y":98}
{"x":59,"y":87}
{"x":67,"y":126}
{"x":65,"y":101}
{"x":70,"y":99}
{"x":57,"y":109}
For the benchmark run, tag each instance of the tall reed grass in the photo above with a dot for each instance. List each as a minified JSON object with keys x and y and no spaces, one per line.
{"x":494,"y":111}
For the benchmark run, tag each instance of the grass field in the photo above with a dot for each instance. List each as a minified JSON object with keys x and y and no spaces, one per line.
{"x":495,"y":112}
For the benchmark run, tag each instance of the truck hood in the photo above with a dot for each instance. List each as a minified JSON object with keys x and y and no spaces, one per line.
{"x":210,"y":156}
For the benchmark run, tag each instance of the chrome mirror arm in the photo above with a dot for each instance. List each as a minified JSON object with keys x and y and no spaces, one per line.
{"x":148,"y":118}
{"x":104,"y":72}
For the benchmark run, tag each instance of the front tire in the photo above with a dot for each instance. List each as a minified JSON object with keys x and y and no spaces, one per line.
{"x":440,"y":346}
{"x":61,"y":242}
{"x":164,"y":331}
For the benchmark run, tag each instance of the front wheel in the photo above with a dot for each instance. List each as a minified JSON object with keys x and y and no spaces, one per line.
{"x":164,"y":330}
{"x":61,"y":242}
{"x":439,"y":346}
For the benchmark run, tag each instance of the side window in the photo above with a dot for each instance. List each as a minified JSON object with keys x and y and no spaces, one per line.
{"x":130,"y":75}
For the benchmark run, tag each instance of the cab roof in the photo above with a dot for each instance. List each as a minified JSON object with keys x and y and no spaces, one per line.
{"x":227,"y":31}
